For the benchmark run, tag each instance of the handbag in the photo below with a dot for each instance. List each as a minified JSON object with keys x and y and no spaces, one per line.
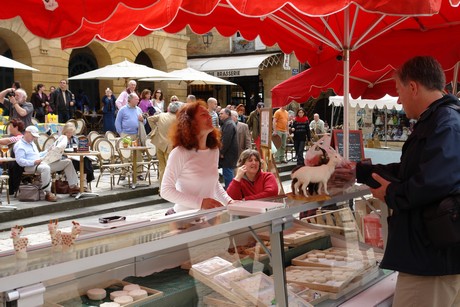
{"x":61,"y":187}
{"x":442,"y":222}
{"x":30,"y":192}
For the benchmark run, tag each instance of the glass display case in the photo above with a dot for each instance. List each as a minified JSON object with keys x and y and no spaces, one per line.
{"x":135,"y":252}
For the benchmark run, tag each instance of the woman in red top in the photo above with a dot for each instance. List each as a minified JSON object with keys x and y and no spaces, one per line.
{"x":250,"y":181}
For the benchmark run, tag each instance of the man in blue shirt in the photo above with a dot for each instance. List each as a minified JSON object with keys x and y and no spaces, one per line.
{"x":127,"y":124}
{"x":28,"y":156}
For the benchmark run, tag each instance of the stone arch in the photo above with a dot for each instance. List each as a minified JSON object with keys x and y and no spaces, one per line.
{"x":151,"y":58}
{"x":82,"y":60}
{"x":13,"y":44}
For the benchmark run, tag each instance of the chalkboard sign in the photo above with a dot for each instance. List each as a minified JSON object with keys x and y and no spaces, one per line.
{"x":355,"y":148}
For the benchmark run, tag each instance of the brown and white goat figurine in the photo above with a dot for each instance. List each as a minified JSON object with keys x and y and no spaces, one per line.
{"x":314,"y":174}
{"x":55,"y":234}
{"x":68,"y":239}
{"x":20,"y":244}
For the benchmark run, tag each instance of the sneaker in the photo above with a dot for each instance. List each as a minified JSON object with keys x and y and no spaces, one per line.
{"x":140,"y":177}
{"x":51,"y":197}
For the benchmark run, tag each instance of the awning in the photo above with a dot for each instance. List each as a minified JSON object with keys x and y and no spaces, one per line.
{"x":387,"y":101}
{"x":235,"y":66}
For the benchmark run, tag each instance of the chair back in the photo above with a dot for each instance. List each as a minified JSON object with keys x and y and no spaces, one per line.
{"x":111,"y":135}
{"x":48,"y":143}
{"x":81,"y":126}
{"x":92,"y":135}
{"x":92,"y":144}
{"x":41,"y":140}
{"x":124,"y":154}
{"x":151,"y":148}
{"x":106,"y":150}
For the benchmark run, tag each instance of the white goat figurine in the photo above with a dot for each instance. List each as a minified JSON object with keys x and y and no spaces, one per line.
{"x":314,"y":174}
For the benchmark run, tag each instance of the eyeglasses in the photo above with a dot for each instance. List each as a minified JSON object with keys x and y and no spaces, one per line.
{"x":174,"y":100}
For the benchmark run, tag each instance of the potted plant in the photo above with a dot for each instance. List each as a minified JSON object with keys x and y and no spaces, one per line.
{"x":126,"y":141}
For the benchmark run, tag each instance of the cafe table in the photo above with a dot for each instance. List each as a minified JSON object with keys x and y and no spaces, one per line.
{"x":82,"y":155}
{"x":134,"y":150}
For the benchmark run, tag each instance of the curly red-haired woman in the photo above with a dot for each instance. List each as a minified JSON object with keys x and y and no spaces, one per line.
{"x":191,"y":179}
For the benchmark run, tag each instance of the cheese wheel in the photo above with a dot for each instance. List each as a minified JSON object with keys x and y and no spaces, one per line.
{"x":115,"y":294}
{"x":96,"y":294}
{"x":131,"y":287}
{"x":138,"y":294}
{"x":123,"y":300}
{"x":109,"y":304}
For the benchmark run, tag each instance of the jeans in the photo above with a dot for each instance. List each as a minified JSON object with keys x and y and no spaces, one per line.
{"x":299,"y":147}
{"x":227,"y":173}
{"x":281,"y":153}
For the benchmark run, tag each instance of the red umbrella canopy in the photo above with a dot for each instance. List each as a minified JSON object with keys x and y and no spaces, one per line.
{"x":364,"y":83}
{"x":301,"y":26}
{"x":58,"y":18}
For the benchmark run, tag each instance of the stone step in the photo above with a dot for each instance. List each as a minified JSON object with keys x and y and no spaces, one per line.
{"x":120,"y":198}
{"x":28,"y":211}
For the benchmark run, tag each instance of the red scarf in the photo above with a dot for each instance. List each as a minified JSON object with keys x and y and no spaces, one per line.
{"x":302,"y":119}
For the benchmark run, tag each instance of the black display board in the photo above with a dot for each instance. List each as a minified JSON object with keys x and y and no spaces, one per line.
{"x":356,"y":146}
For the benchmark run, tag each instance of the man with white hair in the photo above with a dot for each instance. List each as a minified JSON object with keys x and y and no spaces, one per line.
{"x":242,"y":134}
{"x":17,"y":104}
{"x":122,"y":100}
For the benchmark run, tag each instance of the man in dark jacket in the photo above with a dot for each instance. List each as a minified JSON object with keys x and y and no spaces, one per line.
{"x":62,"y":102}
{"x":429,"y":171}
{"x":229,"y":150}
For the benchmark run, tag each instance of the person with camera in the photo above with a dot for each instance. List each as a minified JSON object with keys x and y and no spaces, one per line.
{"x":15,"y":101}
{"x":428,"y":173}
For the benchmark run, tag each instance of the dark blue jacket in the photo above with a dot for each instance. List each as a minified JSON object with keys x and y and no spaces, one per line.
{"x":429,"y":171}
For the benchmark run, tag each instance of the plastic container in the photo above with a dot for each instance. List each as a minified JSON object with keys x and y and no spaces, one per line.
{"x":373,"y":229}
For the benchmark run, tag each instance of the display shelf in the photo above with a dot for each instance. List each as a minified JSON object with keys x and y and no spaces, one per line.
{"x":156,"y":245}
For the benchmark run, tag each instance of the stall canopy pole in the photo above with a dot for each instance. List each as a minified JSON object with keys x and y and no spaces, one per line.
{"x":346,"y":77}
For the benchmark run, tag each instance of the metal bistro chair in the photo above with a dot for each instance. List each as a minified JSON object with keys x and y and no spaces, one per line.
{"x":41,"y":140}
{"x":106,"y":162}
{"x":152,"y":158}
{"x":81,"y":126}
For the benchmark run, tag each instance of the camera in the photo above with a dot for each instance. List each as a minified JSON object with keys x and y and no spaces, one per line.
{"x":9,"y":94}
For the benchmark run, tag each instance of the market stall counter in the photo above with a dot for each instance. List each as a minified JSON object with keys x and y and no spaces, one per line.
{"x":131,"y":251}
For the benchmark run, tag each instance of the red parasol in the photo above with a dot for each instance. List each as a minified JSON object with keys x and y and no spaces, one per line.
{"x":364,"y":83}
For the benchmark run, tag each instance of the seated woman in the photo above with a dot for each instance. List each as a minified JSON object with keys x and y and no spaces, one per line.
{"x":250,"y":181}
{"x":68,"y":140}
{"x":191,"y":177}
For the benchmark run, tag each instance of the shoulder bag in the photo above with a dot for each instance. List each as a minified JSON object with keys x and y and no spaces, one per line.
{"x":442,"y":222}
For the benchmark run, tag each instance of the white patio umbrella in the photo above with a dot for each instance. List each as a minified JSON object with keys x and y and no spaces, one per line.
{"x":192,"y":76}
{"x":126,"y":70}
{"x":9,"y":63}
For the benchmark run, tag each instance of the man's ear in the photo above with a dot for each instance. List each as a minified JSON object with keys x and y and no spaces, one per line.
{"x":414,"y":87}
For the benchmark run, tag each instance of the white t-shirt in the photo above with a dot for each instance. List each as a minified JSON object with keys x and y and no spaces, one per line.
{"x":190,"y":176}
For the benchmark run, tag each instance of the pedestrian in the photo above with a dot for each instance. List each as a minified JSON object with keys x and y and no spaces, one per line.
{"x":428,"y":172}
{"x":63,"y":102}
{"x":281,"y":128}
{"x":40,"y":102}
{"x":229,"y":149}
{"x":108,"y":109}
{"x":301,"y":129}
{"x":17,"y":104}
{"x":253,"y":123}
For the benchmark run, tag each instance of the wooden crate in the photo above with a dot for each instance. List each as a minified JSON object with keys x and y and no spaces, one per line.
{"x":326,"y":258}
{"x":113,"y":284}
{"x":339,"y":221}
{"x":206,"y":271}
{"x":320,"y":278}
{"x":297,"y":235}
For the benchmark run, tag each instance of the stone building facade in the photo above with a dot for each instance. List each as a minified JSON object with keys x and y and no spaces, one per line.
{"x":159,"y":50}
